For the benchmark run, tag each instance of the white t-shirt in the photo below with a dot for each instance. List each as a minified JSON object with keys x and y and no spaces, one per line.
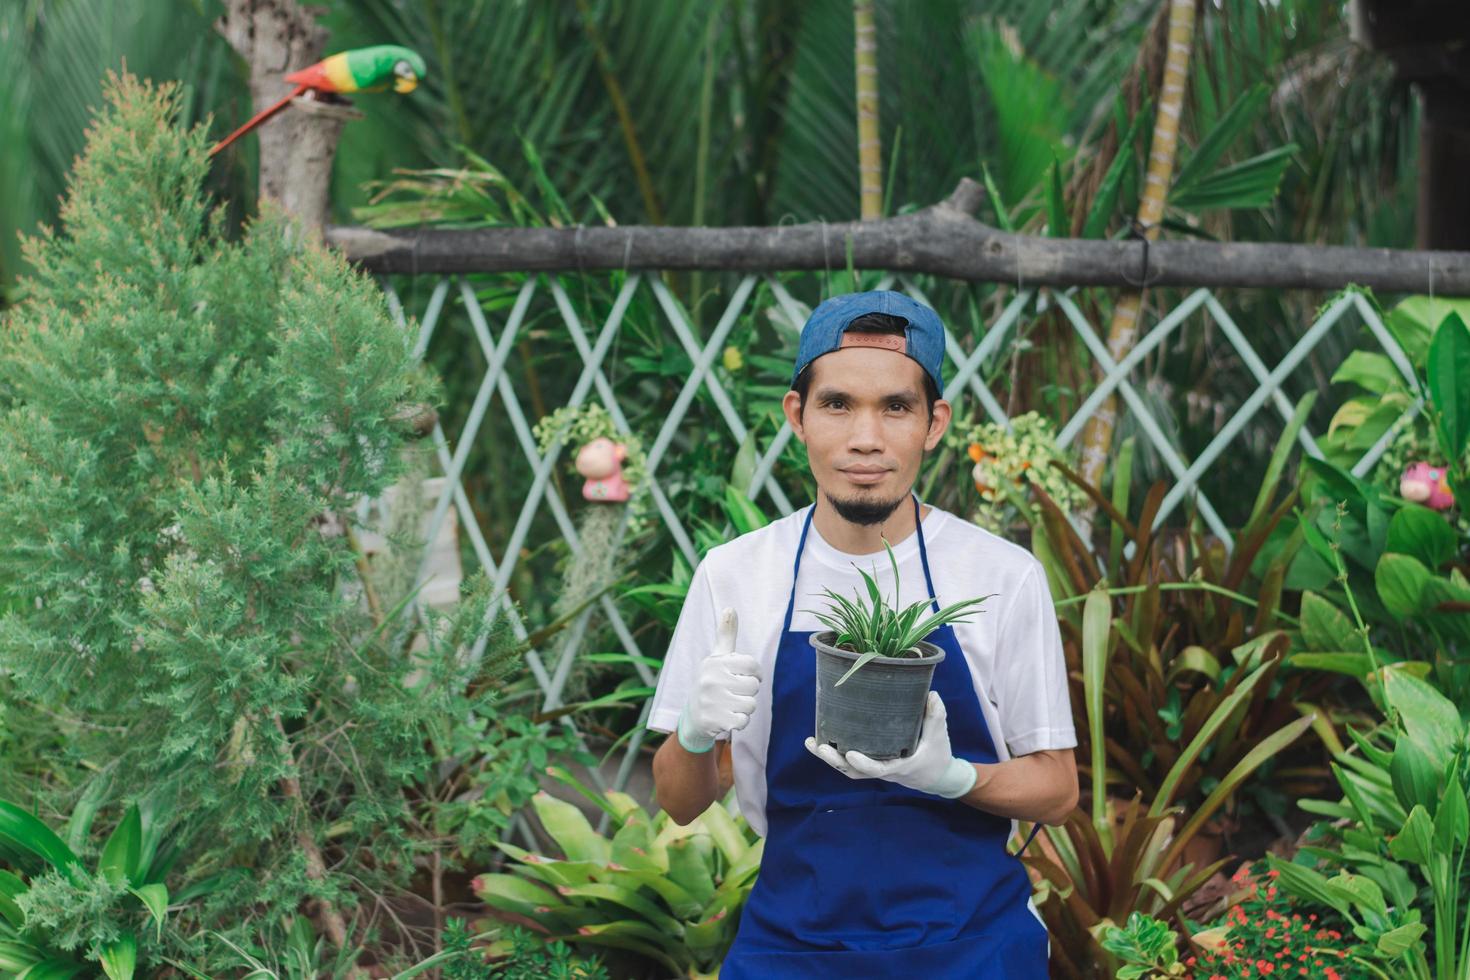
{"x":1013,"y":646}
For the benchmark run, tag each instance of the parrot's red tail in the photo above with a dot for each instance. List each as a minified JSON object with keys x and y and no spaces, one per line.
{"x":259,"y":118}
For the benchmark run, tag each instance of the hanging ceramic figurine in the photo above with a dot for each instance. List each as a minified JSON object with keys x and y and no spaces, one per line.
{"x":1427,"y":485}
{"x":601,"y":462}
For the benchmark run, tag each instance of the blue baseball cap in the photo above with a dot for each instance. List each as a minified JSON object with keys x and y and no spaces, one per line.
{"x":826,"y":330}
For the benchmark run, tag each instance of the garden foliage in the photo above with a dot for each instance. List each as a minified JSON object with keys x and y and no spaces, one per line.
{"x":187,"y":422}
{"x":671,"y":895}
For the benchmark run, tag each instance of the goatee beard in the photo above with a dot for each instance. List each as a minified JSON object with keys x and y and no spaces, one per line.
{"x":864,"y":513}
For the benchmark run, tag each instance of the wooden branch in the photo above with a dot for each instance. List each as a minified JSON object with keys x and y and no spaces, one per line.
{"x":943,"y":239}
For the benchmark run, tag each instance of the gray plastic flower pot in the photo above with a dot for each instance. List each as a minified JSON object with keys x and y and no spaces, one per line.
{"x":880,"y":709}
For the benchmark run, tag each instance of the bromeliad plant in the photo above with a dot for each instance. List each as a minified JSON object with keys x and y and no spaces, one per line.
{"x":670,"y":894}
{"x":878,"y":629}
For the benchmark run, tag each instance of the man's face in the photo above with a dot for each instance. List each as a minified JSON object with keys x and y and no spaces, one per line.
{"x":866,"y":429}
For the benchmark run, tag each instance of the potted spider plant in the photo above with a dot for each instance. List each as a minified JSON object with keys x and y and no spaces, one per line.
{"x":874,"y":668}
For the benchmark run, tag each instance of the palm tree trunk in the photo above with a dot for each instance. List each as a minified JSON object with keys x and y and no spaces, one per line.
{"x":870,"y":144}
{"x":1097,"y":438}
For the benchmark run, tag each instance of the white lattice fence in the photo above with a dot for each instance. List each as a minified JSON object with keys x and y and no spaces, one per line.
{"x":592,"y":343}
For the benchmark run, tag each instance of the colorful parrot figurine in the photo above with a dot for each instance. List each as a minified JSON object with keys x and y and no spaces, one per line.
{"x":360,"y":70}
{"x":1427,"y":485}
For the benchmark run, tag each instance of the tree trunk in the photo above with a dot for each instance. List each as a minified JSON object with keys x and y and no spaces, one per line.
{"x":276,"y":37}
{"x":1097,"y":439}
{"x":870,"y":142}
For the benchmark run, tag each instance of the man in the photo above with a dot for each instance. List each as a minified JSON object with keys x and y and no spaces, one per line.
{"x":872,"y":869}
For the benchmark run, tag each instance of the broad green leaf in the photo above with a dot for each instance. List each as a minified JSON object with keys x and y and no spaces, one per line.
{"x":79,"y":824}
{"x":1373,"y":427}
{"x":1430,"y":718}
{"x":723,"y":831}
{"x":714,"y":931}
{"x":739,"y":874}
{"x":550,"y":870}
{"x":20,"y":829}
{"x":1306,"y":883}
{"x":689,"y":870}
{"x":1097,"y":612}
{"x":1452,"y":821}
{"x":119,"y":860}
{"x":16,"y":957}
{"x":1352,"y":664}
{"x":11,"y":887}
{"x":742,"y":511}
{"x":633,"y":847}
{"x":155,"y":899}
{"x":53,"y":968}
{"x":1401,"y":581}
{"x":1340,"y":484}
{"x":742,"y":471}
{"x":570,"y":829}
{"x":1353,"y":791}
{"x":1370,"y":370}
{"x":1423,"y":534}
{"x":680,"y":902}
{"x":631,"y":901}
{"x":637,"y":937}
{"x":1415,"y":840}
{"x":511,"y":892}
{"x":1397,"y":942}
{"x":1351,"y":413}
{"x":1194,"y":659}
{"x":1415,"y":774}
{"x":1360,"y":891}
{"x":1412,"y":321}
{"x":120,"y":957}
{"x":1449,"y":383}
{"x":615,"y":805}
{"x":1324,"y":626}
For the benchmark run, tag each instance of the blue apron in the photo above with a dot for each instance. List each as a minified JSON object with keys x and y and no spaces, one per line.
{"x":866,"y":878}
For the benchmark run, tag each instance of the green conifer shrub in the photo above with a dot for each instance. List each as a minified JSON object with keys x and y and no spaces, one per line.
{"x":185,"y":421}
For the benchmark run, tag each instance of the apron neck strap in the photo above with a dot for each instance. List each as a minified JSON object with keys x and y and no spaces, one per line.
{"x":924,"y":555}
{"x":806,"y":526}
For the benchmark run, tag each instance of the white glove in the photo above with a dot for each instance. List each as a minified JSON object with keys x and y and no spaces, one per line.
{"x":930,"y":768}
{"x":724,"y":691}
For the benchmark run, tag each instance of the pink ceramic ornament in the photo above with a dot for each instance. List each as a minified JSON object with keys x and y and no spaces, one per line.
{"x":601,"y":462}
{"x":1427,"y":485}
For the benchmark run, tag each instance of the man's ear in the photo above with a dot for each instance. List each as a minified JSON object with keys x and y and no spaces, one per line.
{"x":938,"y":423}
{"x":791,"y":405}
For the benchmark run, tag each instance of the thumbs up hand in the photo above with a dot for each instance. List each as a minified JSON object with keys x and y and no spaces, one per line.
{"x":724,"y":691}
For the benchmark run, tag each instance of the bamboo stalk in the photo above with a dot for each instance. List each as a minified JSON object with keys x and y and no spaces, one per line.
{"x":1097,"y":438}
{"x":870,"y":143}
